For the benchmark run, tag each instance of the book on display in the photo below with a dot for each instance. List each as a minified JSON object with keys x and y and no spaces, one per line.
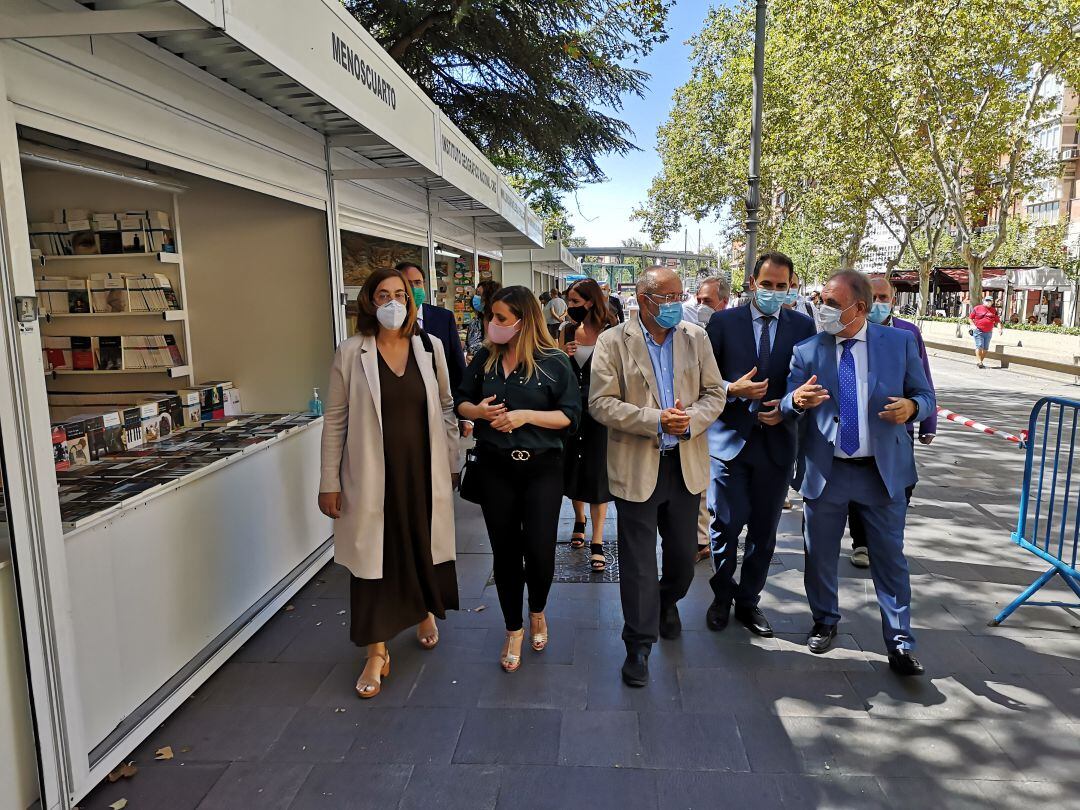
{"x":108,"y":293}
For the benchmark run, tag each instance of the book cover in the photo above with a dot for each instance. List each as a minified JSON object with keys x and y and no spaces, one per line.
{"x":108,"y":294}
{"x":94,"y":425}
{"x":133,"y":429}
{"x":175,"y":358}
{"x":110,"y":355}
{"x":78,"y":446}
{"x":60,"y":453}
{"x":57,"y":351}
{"x":52,"y":293}
{"x":113,"y":433}
{"x":78,"y":296}
{"x":82,"y":353}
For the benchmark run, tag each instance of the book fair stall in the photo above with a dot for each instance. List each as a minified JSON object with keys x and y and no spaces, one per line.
{"x":190,"y":192}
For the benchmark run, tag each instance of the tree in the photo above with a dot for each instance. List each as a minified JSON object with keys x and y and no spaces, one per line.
{"x":526,"y":81}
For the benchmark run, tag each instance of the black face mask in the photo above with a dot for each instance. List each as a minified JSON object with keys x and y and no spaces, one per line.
{"x":577,"y":314}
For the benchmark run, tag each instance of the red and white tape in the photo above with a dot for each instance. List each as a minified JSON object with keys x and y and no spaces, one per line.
{"x":971,"y":423}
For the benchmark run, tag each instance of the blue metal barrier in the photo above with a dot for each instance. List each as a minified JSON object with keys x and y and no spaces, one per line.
{"x":1049,"y":523}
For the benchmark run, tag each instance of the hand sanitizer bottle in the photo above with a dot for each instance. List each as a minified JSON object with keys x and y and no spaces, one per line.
{"x":315,"y":406}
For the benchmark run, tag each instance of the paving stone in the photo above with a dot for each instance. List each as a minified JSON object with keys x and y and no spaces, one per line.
{"x":687,"y":790}
{"x":904,"y":794}
{"x":566,"y":787}
{"x":350,"y":785}
{"x":535,"y":686}
{"x":718,"y":691}
{"x":418,"y":736}
{"x":318,"y":734}
{"x":451,"y":683}
{"x":845,"y":655}
{"x":942,"y":698}
{"x":452,"y":787}
{"x":263,"y":684}
{"x":1006,"y":656}
{"x":339,"y":688}
{"x":214,"y":733}
{"x":159,"y":788}
{"x":606,"y":689}
{"x":600,"y":739}
{"x":1063,"y":691}
{"x":785,"y":744}
{"x":810,"y":694}
{"x":832,"y":791}
{"x":1025,"y":795}
{"x":268,"y":787}
{"x":509,"y":736}
{"x":1041,"y":753}
{"x":692,"y":742}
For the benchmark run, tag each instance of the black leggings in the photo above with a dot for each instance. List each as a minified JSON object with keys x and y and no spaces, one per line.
{"x":521,"y":503}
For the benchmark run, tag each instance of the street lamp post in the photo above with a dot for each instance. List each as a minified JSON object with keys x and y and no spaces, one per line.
{"x":753,"y":197}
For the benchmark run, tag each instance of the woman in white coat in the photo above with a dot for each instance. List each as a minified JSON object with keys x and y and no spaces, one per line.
{"x":389,"y":446}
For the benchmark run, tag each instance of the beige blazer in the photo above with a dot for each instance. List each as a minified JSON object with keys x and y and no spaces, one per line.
{"x":352,"y":453}
{"x":623,"y":395}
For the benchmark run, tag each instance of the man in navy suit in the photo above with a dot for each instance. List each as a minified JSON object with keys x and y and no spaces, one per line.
{"x":437,"y":322}
{"x":751,"y":446}
{"x":856,"y":386}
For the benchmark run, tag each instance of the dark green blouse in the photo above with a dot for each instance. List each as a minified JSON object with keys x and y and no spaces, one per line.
{"x":552,"y":387}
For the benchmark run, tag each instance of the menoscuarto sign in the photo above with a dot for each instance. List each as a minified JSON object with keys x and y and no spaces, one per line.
{"x":364,"y":73}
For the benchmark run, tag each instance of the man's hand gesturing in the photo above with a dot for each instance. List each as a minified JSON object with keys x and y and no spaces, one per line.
{"x":809,"y":394}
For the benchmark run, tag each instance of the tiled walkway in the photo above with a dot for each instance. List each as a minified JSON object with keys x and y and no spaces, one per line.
{"x":728,"y":720}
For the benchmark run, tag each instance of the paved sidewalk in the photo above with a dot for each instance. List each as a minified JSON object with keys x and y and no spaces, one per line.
{"x":729,"y":720}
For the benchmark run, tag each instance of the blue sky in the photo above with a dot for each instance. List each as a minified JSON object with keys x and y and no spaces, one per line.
{"x":601,"y":212}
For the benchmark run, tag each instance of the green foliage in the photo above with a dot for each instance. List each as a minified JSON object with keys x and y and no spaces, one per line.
{"x":1015,"y":327}
{"x":528,"y":82}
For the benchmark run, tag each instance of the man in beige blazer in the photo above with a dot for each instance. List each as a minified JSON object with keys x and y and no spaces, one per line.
{"x":656,"y":387}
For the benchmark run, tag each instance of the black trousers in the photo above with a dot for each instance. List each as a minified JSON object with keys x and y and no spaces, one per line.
{"x":748,"y":491}
{"x":673,"y":511}
{"x":521,"y":503}
{"x":857,"y":526}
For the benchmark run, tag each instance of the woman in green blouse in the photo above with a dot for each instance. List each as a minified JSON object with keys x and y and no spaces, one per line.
{"x":523,"y":396}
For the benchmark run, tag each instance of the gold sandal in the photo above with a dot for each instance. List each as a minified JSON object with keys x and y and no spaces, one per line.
{"x":539,"y":640}
{"x":428,"y":641}
{"x":369,"y":690}
{"x":511,"y":661}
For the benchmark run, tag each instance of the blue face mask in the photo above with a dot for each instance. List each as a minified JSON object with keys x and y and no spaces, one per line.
{"x":792,"y":297}
{"x":769,"y":301}
{"x":880,"y":312}
{"x":478,"y":303}
{"x":669,"y":315}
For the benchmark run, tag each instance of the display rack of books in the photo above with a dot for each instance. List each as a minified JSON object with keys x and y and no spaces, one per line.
{"x":113,"y":450}
{"x":111,"y":298}
{"x":463,"y":291}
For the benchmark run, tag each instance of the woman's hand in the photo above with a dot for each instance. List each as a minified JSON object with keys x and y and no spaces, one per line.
{"x":330,"y":504}
{"x":570,"y":348}
{"x":510,"y":420}
{"x":487,"y":410}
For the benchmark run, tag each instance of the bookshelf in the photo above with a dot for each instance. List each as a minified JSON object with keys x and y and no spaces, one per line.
{"x":173,"y":324}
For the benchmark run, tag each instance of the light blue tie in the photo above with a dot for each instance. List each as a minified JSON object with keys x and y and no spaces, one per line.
{"x":849,"y":400}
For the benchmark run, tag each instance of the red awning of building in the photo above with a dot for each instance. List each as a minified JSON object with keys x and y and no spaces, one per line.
{"x":945,"y":279}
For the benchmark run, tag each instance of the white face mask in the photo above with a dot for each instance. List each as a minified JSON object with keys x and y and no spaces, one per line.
{"x":704,"y":312}
{"x":828,"y":319}
{"x":392,"y":314}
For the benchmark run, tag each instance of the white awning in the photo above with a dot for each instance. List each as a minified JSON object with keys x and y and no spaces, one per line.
{"x":312,"y":61}
{"x":1031,"y":278}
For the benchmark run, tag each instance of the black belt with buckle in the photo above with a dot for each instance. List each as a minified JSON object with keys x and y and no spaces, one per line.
{"x":518,"y":455}
{"x":861,"y":461}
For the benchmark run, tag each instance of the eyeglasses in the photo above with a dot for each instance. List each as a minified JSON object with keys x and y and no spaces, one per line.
{"x":665,"y":299}
{"x":383,"y":297}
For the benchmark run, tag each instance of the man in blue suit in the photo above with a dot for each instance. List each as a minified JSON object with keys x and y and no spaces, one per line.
{"x":751,"y":446}
{"x":856,"y":386}
{"x":437,"y":322}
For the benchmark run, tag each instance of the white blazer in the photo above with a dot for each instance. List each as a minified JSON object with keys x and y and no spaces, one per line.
{"x":352,"y":453}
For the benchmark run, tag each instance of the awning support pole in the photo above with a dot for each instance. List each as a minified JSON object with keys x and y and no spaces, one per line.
{"x":337,"y":269}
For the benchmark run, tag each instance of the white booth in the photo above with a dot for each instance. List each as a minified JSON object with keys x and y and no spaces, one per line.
{"x":540,"y":269}
{"x":178,"y":182}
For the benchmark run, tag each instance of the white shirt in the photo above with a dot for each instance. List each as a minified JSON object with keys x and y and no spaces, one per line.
{"x":862,"y":374}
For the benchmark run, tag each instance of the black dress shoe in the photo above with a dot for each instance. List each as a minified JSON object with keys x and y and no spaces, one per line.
{"x":754,"y":620}
{"x":670,"y":623}
{"x":717,"y":616}
{"x":905,"y":664}
{"x":635,"y":669}
{"x":821,"y":638}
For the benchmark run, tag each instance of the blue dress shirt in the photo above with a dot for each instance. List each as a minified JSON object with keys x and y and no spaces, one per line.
{"x":662,"y":356}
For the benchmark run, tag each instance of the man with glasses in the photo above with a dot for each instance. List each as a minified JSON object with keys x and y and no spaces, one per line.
{"x":656,"y":388}
{"x":436,"y":321}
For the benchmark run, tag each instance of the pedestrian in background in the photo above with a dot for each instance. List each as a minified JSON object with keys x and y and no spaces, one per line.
{"x":389,"y":447}
{"x":983,"y":318}
{"x":797,"y":301}
{"x":554,"y":313}
{"x":438,"y":322}
{"x":613,"y":301}
{"x":752,"y":447}
{"x":656,"y":388}
{"x":586,"y":478}
{"x":481,"y":306}
{"x":523,"y":397}
{"x":856,"y":385}
{"x":881,"y":312}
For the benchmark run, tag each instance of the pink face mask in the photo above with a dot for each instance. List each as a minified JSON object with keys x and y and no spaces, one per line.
{"x":497,"y":333}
